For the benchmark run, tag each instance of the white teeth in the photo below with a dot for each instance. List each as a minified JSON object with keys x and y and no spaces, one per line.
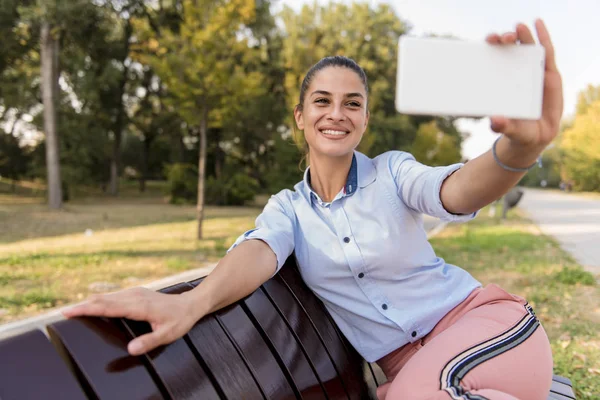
{"x":332,"y":132}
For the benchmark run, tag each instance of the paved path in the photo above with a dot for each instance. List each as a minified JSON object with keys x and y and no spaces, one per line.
{"x":573,"y":220}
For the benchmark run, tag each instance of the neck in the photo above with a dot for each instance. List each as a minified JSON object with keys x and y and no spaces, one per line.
{"x":328,"y":175}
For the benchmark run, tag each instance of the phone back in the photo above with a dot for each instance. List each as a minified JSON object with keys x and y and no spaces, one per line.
{"x":438,"y":76}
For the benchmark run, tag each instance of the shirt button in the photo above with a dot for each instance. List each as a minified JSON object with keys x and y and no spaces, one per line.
{"x":413,"y":334}
{"x":361,"y":275}
{"x":346,"y":239}
{"x":384,"y":306}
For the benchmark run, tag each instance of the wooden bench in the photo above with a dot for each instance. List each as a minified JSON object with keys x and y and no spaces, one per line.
{"x":278,"y":343}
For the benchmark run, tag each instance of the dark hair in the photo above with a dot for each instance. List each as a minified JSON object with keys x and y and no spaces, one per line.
{"x":334,"y":61}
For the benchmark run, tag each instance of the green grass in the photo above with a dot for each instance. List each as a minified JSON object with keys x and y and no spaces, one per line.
{"x":515,"y":255}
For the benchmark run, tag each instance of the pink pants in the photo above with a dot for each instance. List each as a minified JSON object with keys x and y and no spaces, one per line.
{"x":491,"y":346}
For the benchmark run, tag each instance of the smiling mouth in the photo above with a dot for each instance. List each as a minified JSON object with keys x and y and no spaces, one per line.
{"x":333,"y":132}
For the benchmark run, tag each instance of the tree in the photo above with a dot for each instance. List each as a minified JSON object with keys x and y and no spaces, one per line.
{"x":57,"y":23}
{"x":49,"y":68}
{"x":586,"y":97}
{"x":19,"y":66}
{"x":434,"y":147}
{"x":203,"y":62}
{"x":580,"y":146}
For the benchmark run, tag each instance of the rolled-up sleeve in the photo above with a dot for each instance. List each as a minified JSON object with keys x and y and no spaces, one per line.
{"x":275,"y":227}
{"x":419,"y":186}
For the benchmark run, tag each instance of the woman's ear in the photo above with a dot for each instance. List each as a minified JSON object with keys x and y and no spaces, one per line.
{"x":298,"y":118}
{"x":367,"y":119}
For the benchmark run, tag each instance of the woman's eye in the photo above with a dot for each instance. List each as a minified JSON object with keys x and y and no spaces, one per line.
{"x":322,"y":101}
{"x":354,"y":104}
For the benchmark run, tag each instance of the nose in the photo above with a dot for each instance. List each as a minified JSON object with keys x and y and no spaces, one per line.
{"x":337,"y":113}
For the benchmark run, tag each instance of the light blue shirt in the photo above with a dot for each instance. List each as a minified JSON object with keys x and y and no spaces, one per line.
{"x":366,"y":254}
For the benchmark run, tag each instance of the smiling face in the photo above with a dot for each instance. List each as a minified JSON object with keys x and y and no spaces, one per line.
{"x":334,"y":113}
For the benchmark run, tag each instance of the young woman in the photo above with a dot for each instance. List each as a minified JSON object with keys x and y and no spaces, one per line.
{"x":354,"y":224}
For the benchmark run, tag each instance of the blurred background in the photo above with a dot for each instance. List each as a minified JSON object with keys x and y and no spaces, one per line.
{"x":139,"y":138}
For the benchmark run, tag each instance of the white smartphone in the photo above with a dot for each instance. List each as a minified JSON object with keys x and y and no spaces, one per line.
{"x":439,"y":76}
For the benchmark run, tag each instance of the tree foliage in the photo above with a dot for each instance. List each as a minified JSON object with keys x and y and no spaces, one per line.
{"x":580,"y":146}
{"x":145,"y":84}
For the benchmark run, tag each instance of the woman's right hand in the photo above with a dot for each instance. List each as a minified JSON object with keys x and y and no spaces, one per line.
{"x":170,"y":315}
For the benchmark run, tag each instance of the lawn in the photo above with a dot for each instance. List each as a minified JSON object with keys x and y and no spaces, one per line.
{"x":47,"y":260}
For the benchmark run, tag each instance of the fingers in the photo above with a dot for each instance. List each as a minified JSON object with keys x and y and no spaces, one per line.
{"x":131,"y":303}
{"x":147,"y":342}
{"x":503,"y":125}
{"x":161,"y":335}
{"x":545,"y":41}
{"x":524,"y":34}
{"x":506,"y":38}
{"x":493,"y":38}
{"x":498,"y":124}
{"x":509,"y":38}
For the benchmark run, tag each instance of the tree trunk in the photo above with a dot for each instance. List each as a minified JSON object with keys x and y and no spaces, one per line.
{"x":202,"y":167}
{"x":145,"y":157}
{"x":115,"y":164}
{"x":218,"y":155}
{"x":49,"y":66}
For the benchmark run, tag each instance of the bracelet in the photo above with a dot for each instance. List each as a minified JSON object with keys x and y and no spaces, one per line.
{"x":512,"y":169}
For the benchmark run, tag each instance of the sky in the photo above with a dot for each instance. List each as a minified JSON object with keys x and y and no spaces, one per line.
{"x":573,"y":25}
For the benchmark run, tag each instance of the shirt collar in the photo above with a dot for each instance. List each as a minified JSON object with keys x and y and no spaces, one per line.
{"x":362,"y":173}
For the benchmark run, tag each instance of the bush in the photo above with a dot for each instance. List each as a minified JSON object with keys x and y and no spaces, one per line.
{"x":234,"y":192}
{"x":183,"y":187}
{"x":214,"y":192}
{"x":240,"y":189}
{"x":183,"y":183}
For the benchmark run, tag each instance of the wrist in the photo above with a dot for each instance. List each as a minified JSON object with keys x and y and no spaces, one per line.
{"x":532,"y":149}
{"x":514,"y":156}
{"x":195,"y":304}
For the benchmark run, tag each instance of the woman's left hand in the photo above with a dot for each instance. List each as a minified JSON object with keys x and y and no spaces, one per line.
{"x":534,"y":133}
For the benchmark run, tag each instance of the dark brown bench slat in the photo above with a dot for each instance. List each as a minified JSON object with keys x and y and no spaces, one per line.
{"x":30,"y":368}
{"x":292,"y":275}
{"x":219,"y":356}
{"x":97,"y":350}
{"x":270,"y":374}
{"x":175,"y":364}
{"x":287,"y":349}
{"x":307,"y":337}
{"x":348,"y":364}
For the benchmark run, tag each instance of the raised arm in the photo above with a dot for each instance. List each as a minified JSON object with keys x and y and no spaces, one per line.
{"x":483,"y":179}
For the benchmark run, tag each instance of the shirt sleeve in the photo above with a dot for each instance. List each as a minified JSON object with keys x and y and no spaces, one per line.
{"x":419,"y":186}
{"x":275,"y":227}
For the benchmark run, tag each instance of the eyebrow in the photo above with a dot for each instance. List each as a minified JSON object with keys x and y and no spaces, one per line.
{"x":326,"y":93}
